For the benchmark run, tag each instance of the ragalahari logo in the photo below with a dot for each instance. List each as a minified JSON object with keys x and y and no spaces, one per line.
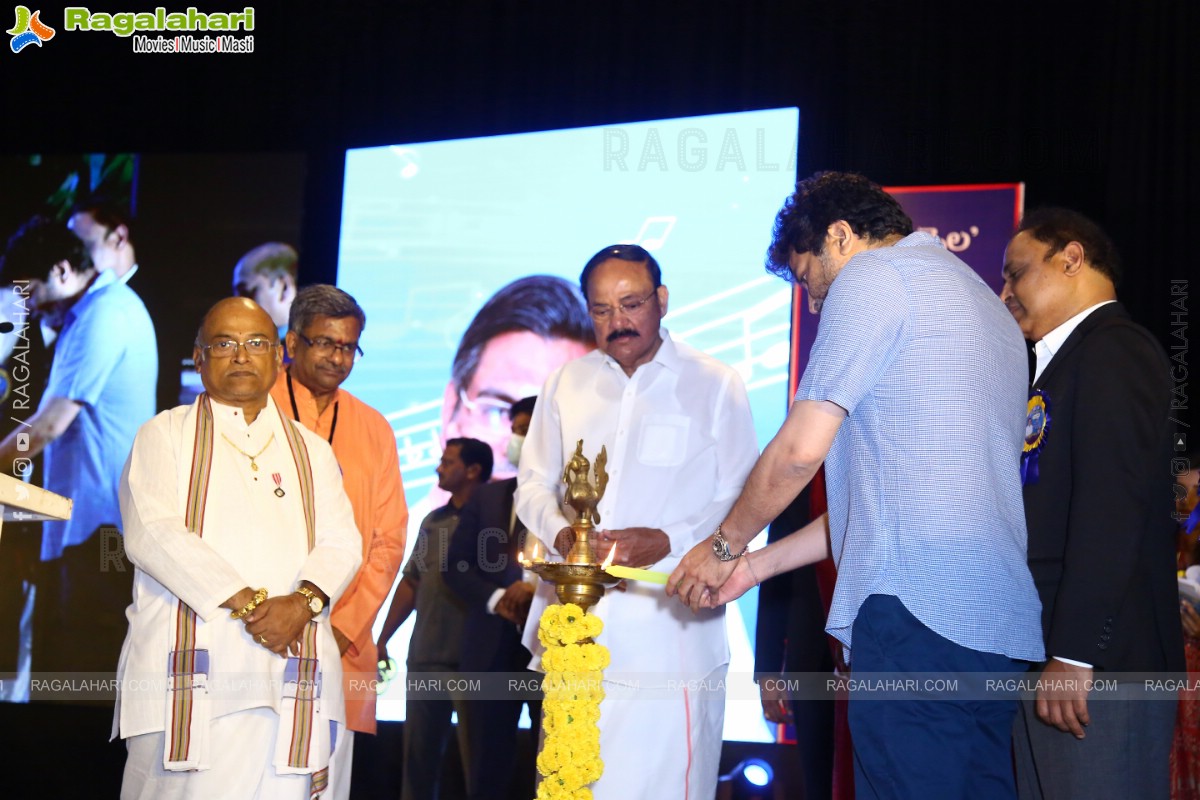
{"x":29,"y":30}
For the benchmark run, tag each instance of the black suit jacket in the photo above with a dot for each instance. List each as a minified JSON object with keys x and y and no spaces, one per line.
{"x":483,"y":558}
{"x":1101,"y":536}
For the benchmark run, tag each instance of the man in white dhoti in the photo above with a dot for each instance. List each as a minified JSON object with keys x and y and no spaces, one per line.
{"x":242,"y":535}
{"x":680,"y":442}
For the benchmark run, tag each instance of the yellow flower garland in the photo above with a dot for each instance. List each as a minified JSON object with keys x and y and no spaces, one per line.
{"x":574,"y":665}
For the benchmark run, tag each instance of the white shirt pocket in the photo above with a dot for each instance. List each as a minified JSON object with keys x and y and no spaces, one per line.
{"x":663,"y":440}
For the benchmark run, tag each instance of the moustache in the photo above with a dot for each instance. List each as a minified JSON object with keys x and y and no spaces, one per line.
{"x":627,"y":332}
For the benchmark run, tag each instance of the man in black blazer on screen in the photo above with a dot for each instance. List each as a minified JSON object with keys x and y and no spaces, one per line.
{"x":1097,"y":491}
{"x":483,"y":567}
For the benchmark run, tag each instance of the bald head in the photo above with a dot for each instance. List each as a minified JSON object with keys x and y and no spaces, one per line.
{"x":222,"y":308}
{"x":237,"y":353}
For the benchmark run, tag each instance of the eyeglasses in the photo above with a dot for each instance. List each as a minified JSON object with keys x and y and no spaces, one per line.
{"x":326,"y":347}
{"x":629,"y":307}
{"x":493,"y":410}
{"x":226,"y":348}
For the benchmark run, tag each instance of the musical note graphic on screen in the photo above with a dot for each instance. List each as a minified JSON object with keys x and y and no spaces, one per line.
{"x":418,"y":442}
{"x":408,"y":157}
{"x":728,"y":325}
{"x":654,"y":232}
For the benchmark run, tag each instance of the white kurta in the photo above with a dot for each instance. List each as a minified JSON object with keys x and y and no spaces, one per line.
{"x":252,"y":538}
{"x":680,"y":442}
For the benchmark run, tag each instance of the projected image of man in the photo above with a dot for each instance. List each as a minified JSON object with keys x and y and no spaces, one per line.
{"x":267,"y":275}
{"x":524,"y":332}
{"x":101,"y":388}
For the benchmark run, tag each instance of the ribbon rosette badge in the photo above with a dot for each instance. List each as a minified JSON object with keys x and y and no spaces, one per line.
{"x":1037,"y":426}
{"x":28,"y":29}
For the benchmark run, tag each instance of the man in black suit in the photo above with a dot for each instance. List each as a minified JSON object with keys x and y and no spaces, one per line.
{"x":1098,"y":507}
{"x":484,"y":569}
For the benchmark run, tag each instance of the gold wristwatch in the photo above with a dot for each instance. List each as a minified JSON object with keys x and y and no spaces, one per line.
{"x":315,"y":604}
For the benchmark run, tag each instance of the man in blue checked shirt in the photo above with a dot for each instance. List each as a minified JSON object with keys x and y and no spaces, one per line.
{"x":914,"y":399}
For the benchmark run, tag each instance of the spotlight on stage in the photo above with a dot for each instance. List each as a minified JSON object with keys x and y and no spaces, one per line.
{"x":751,"y":779}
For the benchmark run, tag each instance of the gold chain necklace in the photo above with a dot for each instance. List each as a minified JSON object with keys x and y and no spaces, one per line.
{"x":253,"y":466}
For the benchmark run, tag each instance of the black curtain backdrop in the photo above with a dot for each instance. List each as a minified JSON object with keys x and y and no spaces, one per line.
{"x":1091,"y":104}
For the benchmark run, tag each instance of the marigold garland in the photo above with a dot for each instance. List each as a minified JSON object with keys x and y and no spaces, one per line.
{"x":570,"y":758}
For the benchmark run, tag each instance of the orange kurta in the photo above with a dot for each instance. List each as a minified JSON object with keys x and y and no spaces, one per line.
{"x":365,"y":448}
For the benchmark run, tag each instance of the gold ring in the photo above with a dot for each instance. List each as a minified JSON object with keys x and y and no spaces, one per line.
{"x":262,"y":639}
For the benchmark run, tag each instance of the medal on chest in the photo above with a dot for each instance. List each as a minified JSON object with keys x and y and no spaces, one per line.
{"x":279,"y":492}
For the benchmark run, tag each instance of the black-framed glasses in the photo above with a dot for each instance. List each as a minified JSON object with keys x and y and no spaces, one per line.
{"x":326,"y":347}
{"x":226,"y":348}
{"x":629,"y":307}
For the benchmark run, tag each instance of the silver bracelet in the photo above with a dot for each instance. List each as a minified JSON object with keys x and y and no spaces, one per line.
{"x":750,"y":567}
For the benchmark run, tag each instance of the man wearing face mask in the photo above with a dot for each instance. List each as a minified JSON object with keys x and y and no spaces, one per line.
{"x":485,"y":572}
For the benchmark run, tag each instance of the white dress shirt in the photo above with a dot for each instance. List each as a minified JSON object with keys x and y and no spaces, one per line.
{"x":680,"y":442}
{"x":1048,"y":345}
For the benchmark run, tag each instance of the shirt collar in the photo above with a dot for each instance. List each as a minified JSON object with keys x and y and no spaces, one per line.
{"x":667,"y":354}
{"x":1048,"y":345}
{"x":1055,"y":338}
{"x":919,"y":239}
{"x":102,"y":281}
{"x":108,"y":277}
{"x":448,"y":508}
{"x":226,"y":415}
{"x":105,"y":278}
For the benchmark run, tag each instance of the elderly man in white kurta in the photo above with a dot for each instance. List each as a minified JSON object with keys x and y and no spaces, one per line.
{"x":241,"y":535}
{"x":676,"y":424}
